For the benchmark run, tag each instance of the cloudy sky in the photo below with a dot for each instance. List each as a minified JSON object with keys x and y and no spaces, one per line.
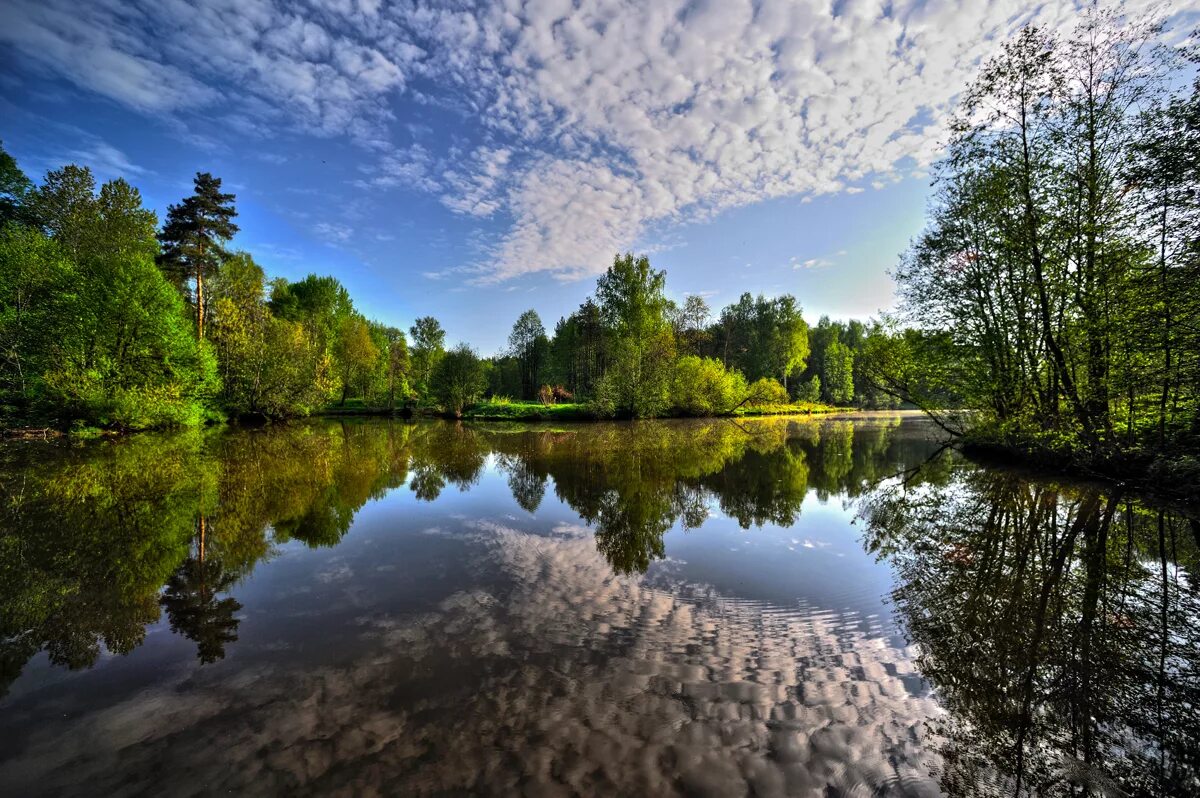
{"x":471,"y":160}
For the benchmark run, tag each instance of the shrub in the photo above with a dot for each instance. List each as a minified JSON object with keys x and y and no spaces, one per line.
{"x":767,"y":391}
{"x":702,"y":387}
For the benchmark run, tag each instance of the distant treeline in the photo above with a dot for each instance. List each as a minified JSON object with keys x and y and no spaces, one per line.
{"x":632,"y":351}
{"x":1057,"y":285}
{"x":109,"y":320}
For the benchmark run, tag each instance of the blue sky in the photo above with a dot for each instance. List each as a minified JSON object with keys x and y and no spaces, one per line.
{"x":470,"y":161}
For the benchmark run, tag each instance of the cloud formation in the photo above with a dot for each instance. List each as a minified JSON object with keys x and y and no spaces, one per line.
{"x":591,"y":121}
{"x":572,"y":680}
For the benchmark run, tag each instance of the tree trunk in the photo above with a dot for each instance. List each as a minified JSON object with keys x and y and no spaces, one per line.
{"x":200,"y":303}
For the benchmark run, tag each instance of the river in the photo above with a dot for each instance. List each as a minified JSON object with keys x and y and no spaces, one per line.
{"x":771,"y":607}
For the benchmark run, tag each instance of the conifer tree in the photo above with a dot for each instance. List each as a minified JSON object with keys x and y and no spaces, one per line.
{"x":194,"y":235}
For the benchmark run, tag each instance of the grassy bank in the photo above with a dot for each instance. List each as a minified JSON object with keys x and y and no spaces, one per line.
{"x":793,"y":409}
{"x":505,"y":410}
{"x":508,"y":410}
{"x":536,"y":411}
{"x":529,"y":411}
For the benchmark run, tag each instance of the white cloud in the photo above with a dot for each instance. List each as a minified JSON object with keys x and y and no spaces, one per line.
{"x":408,"y":167}
{"x":271,"y":61}
{"x":105,"y":159}
{"x":474,"y":190}
{"x":587,"y":124}
{"x":811,"y":263}
{"x":333,"y":233}
{"x":629,"y":114}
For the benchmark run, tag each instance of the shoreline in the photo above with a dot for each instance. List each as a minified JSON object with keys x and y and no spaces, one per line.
{"x":1171,"y":480}
{"x":1175,"y":481}
{"x":522,"y":413}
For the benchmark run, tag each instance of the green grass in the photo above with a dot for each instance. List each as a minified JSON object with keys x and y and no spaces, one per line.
{"x":355,"y":407}
{"x":508,"y":410}
{"x":503,"y":408}
{"x":794,"y":409}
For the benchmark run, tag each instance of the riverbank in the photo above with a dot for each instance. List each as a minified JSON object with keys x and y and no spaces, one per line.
{"x":1174,"y":477}
{"x":531,"y":412}
{"x":535,"y":411}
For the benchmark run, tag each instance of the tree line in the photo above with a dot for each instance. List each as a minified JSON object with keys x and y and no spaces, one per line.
{"x":108,"y":319}
{"x":633,"y":351}
{"x":1056,"y":289}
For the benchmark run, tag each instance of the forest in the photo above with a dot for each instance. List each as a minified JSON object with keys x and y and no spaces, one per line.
{"x":109,"y":320}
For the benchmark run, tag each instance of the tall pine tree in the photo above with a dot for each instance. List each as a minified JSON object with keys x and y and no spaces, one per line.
{"x":193,"y":237}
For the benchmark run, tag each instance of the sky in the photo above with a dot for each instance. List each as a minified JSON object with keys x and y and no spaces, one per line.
{"x":473,"y":160}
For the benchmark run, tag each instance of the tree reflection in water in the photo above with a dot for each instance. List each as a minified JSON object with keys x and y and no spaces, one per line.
{"x":192,"y":603}
{"x":1060,"y":627}
{"x":90,"y":535}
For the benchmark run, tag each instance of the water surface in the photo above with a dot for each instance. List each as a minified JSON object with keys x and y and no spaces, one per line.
{"x":775,"y":607}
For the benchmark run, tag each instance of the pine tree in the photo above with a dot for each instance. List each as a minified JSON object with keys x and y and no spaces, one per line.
{"x":193,"y":237}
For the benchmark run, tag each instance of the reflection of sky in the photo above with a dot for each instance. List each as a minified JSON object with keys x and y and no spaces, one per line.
{"x":467,"y":630}
{"x":818,"y":561}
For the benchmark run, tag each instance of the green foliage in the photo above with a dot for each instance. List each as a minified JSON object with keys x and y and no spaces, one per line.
{"x":702,"y":387}
{"x":356,"y":354}
{"x":766,"y":391}
{"x":837,"y":377}
{"x":690,"y":323}
{"x":15,"y":188}
{"x":632,"y":298}
{"x":633,"y":304}
{"x":392,"y":386}
{"x":321,"y":304}
{"x":459,"y":379}
{"x":1056,"y":283}
{"x":762,"y":337}
{"x":33,"y":272}
{"x":638,"y":381}
{"x":527,"y":344}
{"x":193,"y":239}
{"x":579,"y":350}
{"x":504,"y":409}
{"x":91,"y":328}
{"x":810,"y":389}
{"x":428,"y":348}
{"x":269,"y":366}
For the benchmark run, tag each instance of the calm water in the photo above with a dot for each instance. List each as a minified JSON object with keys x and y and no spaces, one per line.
{"x":781,"y":607}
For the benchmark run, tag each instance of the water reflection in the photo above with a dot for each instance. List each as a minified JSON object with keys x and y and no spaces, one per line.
{"x":1059,"y":626}
{"x":194,"y":606}
{"x":92,"y":533}
{"x":516,"y":598}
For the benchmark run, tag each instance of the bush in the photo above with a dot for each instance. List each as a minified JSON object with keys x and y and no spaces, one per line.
{"x":702,"y":387}
{"x":767,"y":391}
{"x":84,"y":395}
